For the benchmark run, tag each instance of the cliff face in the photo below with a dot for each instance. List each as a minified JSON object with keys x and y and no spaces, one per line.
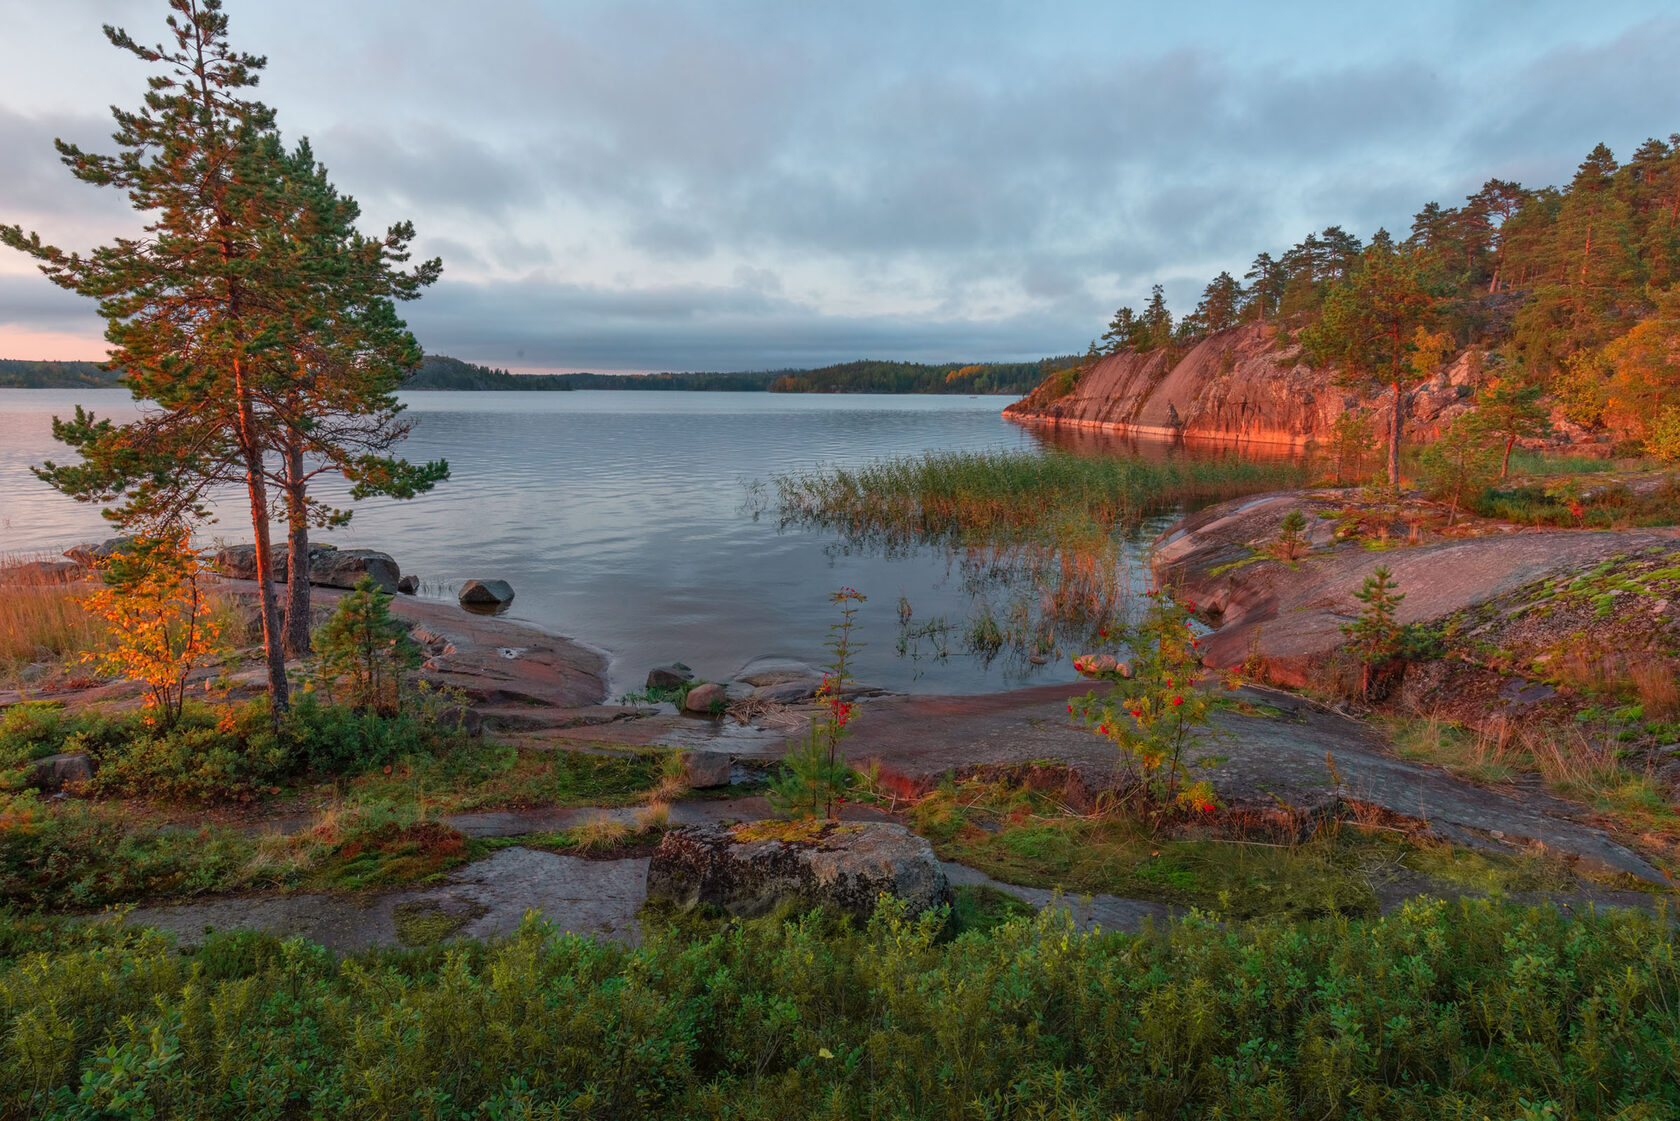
{"x":1236,"y":386}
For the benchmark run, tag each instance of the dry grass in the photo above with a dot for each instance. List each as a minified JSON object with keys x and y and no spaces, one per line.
{"x":42,"y":621}
{"x":601,"y":832}
{"x":1476,"y":756}
{"x":654,"y":815}
{"x":1657,"y":685}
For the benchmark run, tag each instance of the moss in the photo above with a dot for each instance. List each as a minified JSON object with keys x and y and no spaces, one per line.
{"x":801,"y":831}
{"x":423,"y":922}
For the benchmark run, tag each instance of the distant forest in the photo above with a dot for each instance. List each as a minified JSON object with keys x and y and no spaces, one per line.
{"x":19,"y":374}
{"x":440,"y":372}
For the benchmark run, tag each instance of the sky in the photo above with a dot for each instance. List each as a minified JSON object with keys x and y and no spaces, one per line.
{"x":690,"y":185}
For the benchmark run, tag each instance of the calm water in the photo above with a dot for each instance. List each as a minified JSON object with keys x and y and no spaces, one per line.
{"x":621,"y":519}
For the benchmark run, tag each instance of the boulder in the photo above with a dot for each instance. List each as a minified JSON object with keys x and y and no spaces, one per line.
{"x":672,"y":676}
{"x":344,"y":568}
{"x":753,"y":869}
{"x":89,"y":553}
{"x":486,"y":593}
{"x":777,"y":671}
{"x":705,"y":699}
{"x":55,"y":772}
{"x":329,"y":566}
{"x":702,"y":769}
{"x":409,"y":585}
{"x":789,"y":692}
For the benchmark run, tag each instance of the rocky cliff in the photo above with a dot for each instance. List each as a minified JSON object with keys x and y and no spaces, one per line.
{"x":1238,"y":386}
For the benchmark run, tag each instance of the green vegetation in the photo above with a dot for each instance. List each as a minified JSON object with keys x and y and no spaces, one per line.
{"x":362,"y":651}
{"x":1439,"y":1010}
{"x":997,"y":497}
{"x":16,"y":373}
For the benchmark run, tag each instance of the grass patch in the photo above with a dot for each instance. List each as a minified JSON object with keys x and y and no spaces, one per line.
{"x":998,"y":497}
{"x":423,"y":923}
{"x":479,"y":775}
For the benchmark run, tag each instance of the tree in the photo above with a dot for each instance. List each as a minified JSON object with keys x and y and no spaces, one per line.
{"x":1376,"y":637}
{"x":1369,"y":328}
{"x":1458,"y":464}
{"x":254,"y":318}
{"x":1644,"y":369}
{"x":1157,"y":319}
{"x":1220,"y":300}
{"x":184,"y":305}
{"x":159,"y":623}
{"x":1510,"y":408}
{"x":345,"y":354}
{"x":1267,"y":279}
{"x":363,"y":651}
{"x":1124,"y":330}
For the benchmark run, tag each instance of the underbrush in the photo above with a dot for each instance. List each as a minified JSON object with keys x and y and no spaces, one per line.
{"x":1611,"y":505}
{"x":1439,"y":1010}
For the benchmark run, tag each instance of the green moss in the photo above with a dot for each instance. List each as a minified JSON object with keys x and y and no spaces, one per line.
{"x":422,"y":922}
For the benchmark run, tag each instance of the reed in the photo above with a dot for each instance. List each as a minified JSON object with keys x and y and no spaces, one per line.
{"x":1001,"y":496}
{"x":42,"y":620}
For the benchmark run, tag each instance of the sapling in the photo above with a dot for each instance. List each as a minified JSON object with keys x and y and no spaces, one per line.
{"x":363,"y":650}
{"x":1374,"y":637}
{"x":814,"y":775}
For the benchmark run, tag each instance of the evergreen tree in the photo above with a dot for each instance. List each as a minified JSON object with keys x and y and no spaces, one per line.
{"x":1124,"y":330}
{"x":1369,"y":329}
{"x":1157,"y":319}
{"x":1220,"y":301}
{"x":187,"y":306}
{"x":1510,"y":409}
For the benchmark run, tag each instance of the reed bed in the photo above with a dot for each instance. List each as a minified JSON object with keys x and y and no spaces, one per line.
{"x":42,"y":620}
{"x":997,"y":497}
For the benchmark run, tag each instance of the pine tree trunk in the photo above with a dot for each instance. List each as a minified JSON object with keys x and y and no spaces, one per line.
{"x":1394,"y":441}
{"x":1505,"y":464}
{"x":297,"y":555}
{"x":255,"y":483}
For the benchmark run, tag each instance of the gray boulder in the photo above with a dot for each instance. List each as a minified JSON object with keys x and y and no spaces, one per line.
{"x":777,"y":671}
{"x":486,"y":593}
{"x":751,"y":870}
{"x":344,"y":568}
{"x":672,"y":676}
{"x":704,"y":699}
{"x":789,"y":692}
{"x":55,"y":772}
{"x":702,"y":769}
{"x":89,"y":553}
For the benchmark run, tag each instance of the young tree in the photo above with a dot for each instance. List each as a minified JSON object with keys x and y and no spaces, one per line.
{"x":1510,"y":409}
{"x":1369,"y":329}
{"x":363,"y":651}
{"x":1124,"y":330}
{"x":1376,"y":638}
{"x":1157,"y":318}
{"x":1267,"y":279}
{"x":1458,"y":464}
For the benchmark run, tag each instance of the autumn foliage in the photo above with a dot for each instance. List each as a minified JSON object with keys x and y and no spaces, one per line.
{"x":160,"y":622}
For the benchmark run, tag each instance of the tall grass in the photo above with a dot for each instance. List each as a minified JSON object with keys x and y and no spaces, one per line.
{"x":42,"y":621}
{"x":995,"y":497}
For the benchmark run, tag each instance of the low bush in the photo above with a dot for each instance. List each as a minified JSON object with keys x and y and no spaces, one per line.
{"x":1440,"y":1010}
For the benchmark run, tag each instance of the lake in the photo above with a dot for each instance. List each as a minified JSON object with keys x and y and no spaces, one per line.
{"x":625,"y":520}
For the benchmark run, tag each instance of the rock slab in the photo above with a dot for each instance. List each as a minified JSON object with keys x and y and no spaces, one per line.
{"x":752,"y":870}
{"x":673,"y":676}
{"x":329,"y":566}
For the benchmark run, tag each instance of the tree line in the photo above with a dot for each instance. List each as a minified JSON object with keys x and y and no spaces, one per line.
{"x":1572,"y":291}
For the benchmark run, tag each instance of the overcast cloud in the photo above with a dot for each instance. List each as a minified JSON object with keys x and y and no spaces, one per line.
{"x":688,"y":185}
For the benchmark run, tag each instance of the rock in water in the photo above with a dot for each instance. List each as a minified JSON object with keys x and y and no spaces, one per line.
{"x":672,"y":676}
{"x":705,"y":699}
{"x":486,"y":593}
{"x":409,"y":585}
{"x":55,"y":772}
{"x":750,"y":870}
{"x":702,"y":769}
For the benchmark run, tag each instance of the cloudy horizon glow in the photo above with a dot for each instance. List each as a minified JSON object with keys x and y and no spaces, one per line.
{"x":734,"y":186}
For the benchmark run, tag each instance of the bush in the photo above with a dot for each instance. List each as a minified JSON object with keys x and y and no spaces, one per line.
{"x":363,"y":651}
{"x":1474,"y":1009}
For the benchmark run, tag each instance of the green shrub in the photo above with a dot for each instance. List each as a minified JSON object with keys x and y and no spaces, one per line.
{"x":1468,"y":1010}
{"x":363,"y":651}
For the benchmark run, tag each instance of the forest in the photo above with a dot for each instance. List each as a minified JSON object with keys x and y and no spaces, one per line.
{"x":1571,"y":292}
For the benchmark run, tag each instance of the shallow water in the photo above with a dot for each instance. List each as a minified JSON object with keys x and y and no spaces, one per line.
{"x":623,"y":519}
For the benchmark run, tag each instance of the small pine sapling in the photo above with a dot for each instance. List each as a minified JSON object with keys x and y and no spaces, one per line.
{"x":362,"y":652}
{"x":1375,"y":638}
{"x":1291,"y":541}
{"x":814,"y":776}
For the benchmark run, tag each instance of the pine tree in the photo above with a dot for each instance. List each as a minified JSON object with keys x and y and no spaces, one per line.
{"x":1369,"y":329}
{"x":363,"y":651}
{"x":187,"y":305}
{"x":1510,"y":408}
